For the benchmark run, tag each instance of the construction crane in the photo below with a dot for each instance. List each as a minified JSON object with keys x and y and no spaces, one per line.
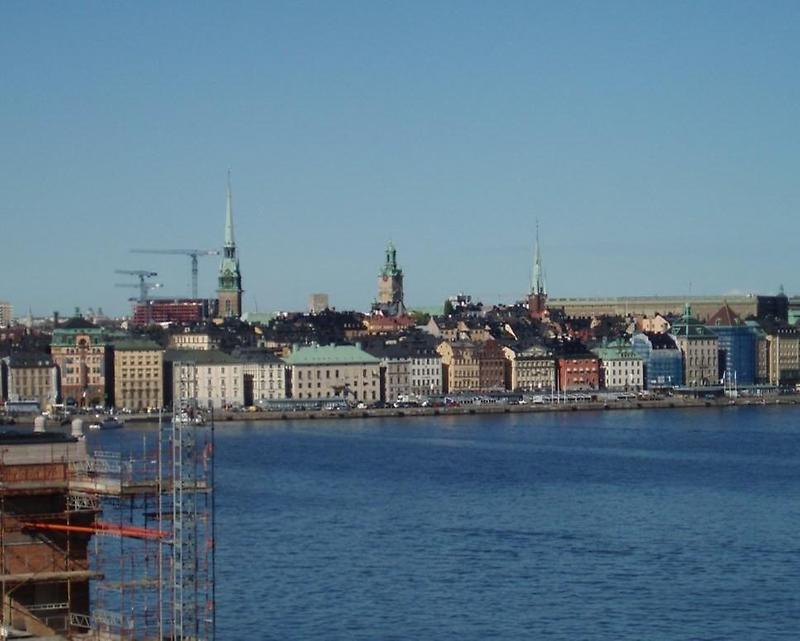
{"x":192,"y":253}
{"x":143,"y":286}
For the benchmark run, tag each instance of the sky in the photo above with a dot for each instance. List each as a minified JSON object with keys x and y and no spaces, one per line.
{"x":656,"y":144}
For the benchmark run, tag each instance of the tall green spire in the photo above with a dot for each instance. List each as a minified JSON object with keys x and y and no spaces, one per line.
{"x":229,"y":289}
{"x":537,"y":281}
{"x":229,"y":242}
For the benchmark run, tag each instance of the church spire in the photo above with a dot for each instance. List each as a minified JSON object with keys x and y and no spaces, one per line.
{"x":537,"y":282}
{"x":229,"y":242}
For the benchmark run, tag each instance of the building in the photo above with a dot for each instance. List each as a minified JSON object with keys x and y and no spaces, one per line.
{"x":472,"y":366}
{"x":700,"y":348}
{"x":737,"y":346}
{"x":138,"y":375}
{"x":578,"y":369}
{"x":229,"y":289}
{"x":762,"y":352}
{"x":425,"y":375}
{"x":663,"y":361}
{"x":530,"y":370}
{"x":704,"y":306}
{"x":200,"y":339}
{"x":79,"y":350}
{"x":5,"y":313}
{"x":263,"y":375}
{"x":32,"y":376}
{"x":211,"y":379}
{"x":390,"y":286}
{"x":334,"y":371}
{"x":621,"y":368}
{"x":783,"y":364}
{"x":174,"y":310}
{"x":395,"y":363}
{"x":318,"y":303}
{"x":537,"y":299}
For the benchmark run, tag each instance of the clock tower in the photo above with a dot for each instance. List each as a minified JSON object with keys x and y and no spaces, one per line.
{"x":390,"y":285}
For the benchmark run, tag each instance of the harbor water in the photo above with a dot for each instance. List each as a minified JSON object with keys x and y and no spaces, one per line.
{"x":671,"y":524}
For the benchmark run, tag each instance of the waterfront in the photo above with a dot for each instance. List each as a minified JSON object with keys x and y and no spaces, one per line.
{"x":679,"y":524}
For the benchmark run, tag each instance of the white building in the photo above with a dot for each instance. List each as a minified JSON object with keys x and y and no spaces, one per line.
{"x":207,"y":378}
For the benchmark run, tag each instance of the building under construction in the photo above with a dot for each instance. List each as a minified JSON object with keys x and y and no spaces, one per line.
{"x":106,"y":546}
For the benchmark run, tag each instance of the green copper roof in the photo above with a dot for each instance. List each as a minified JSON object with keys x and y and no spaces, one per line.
{"x":330,"y":355}
{"x":136,"y":345}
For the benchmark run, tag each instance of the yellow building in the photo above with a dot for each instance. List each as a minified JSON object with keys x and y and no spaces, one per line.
{"x":138,"y":375}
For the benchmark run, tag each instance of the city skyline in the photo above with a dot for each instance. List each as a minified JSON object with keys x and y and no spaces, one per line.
{"x":655,"y":145}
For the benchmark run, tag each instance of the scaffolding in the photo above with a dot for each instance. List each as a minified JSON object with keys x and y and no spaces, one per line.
{"x":110,"y":546}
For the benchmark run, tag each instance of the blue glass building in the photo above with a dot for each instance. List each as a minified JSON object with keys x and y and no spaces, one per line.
{"x":737,"y":347}
{"x":663,"y":361}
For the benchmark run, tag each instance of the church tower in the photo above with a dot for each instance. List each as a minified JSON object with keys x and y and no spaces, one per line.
{"x":537,"y":299}
{"x":229,"y":290}
{"x":390,"y":285}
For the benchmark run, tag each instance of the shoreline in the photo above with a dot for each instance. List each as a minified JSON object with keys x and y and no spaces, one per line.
{"x":491,"y":408}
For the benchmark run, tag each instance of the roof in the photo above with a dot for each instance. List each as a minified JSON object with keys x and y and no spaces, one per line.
{"x":200,"y":357}
{"x":724,"y":316}
{"x":330,"y":355}
{"x":255,"y":355}
{"x":136,"y":345}
{"x":78,"y":323}
{"x":30,"y":359}
{"x":616,"y":353}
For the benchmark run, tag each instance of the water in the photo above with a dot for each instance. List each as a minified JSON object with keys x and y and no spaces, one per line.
{"x":680,"y":524}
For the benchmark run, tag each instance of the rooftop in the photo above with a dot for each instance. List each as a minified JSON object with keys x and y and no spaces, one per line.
{"x":330,"y":355}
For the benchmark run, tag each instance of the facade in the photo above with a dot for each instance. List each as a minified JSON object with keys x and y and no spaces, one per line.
{"x":578,"y":372}
{"x":530,"y":370}
{"x":425,"y":373}
{"x":264,"y":375}
{"x":390,"y":285}
{"x":460,"y":372}
{"x":138,"y":375}
{"x":207,"y":379}
{"x":79,"y":350}
{"x":703,"y":306}
{"x":737,"y":347}
{"x":176,"y":310}
{"x":700,"y":348}
{"x":621,"y":368}
{"x":194,"y":339}
{"x":475,"y":366}
{"x":32,"y":377}
{"x":5,"y":313}
{"x":334,"y":371}
{"x":229,"y":289}
{"x":762,"y":352}
{"x":783,"y":365}
{"x":663,"y":361}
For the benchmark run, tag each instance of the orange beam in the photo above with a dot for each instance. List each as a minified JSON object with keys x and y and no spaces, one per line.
{"x":104,"y":528}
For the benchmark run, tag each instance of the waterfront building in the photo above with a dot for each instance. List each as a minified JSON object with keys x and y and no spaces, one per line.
{"x":783,"y":365}
{"x":663,"y":361}
{"x":578,"y":371}
{"x":530,"y":370}
{"x":79,"y":350}
{"x":212,"y":379}
{"x":425,"y":375}
{"x":229,"y":289}
{"x":737,"y":346}
{"x":334,"y":371}
{"x":762,"y":352}
{"x":263,"y":375}
{"x":31,"y":377}
{"x":395,"y":372}
{"x":138,"y":374}
{"x":5,"y":313}
{"x":621,"y":368}
{"x":700,"y":348}
{"x":390,"y":285}
{"x":477,"y":366}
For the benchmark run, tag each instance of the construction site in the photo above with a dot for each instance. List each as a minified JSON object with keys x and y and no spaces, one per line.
{"x":107,"y":545}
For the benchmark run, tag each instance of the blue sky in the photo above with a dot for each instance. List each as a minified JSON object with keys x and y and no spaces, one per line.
{"x":656,"y":143}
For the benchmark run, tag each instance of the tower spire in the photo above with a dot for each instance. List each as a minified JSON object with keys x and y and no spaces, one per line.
{"x":229,"y":241}
{"x":537,"y":298}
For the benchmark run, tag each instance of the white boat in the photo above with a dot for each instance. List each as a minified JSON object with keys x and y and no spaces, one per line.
{"x":108,"y":423}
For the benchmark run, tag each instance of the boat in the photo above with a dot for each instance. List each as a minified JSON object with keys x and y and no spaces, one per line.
{"x":108,"y":423}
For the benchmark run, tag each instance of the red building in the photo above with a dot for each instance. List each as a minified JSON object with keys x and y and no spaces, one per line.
{"x":578,"y":372}
{"x":176,"y":310}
